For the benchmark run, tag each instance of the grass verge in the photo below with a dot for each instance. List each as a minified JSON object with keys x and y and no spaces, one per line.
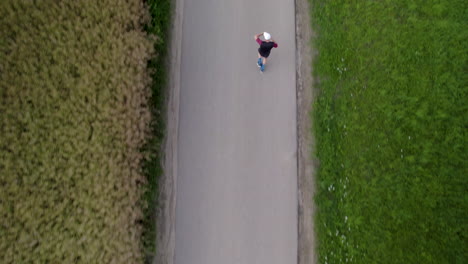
{"x":390,"y":123}
{"x":160,"y":11}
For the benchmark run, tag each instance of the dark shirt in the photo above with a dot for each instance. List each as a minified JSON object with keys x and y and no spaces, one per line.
{"x":265,"y":47}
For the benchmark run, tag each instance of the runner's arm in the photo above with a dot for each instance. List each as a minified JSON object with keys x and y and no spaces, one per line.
{"x":257,"y":38}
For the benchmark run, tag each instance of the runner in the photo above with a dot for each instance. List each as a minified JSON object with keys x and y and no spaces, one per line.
{"x":265,"y":48}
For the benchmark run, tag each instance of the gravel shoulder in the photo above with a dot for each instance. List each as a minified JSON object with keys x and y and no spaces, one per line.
{"x":306,"y":163}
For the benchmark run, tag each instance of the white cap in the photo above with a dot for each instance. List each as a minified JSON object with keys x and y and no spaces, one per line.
{"x":266,"y":35}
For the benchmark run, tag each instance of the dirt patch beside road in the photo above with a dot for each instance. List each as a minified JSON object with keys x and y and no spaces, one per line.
{"x":305,"y":141}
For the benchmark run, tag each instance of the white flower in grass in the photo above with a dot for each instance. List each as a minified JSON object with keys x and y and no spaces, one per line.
{"x":346,"y":219}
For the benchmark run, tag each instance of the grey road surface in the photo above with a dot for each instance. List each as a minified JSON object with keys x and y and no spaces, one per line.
{"x":236,"y":183}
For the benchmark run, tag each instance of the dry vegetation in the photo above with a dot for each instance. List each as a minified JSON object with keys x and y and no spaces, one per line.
{"x":74,"y":89}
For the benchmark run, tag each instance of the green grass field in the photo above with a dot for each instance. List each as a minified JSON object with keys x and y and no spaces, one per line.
{"x":76,"y":121}
{"x":390,"y":122}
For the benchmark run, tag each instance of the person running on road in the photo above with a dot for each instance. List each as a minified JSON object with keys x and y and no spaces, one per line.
{"x":265,"y":48}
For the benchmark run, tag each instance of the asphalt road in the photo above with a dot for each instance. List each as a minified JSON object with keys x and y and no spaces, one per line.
{"x":237,"y":167}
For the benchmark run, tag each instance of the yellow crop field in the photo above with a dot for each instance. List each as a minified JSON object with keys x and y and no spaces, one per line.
{"x":74,"y":89}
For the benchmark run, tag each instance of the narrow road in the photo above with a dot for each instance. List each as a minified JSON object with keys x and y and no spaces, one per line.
{"x":237,"y":182}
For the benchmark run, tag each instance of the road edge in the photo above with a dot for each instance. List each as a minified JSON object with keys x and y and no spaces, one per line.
{"x":306,"y":164}
{"x":165,"y":220}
